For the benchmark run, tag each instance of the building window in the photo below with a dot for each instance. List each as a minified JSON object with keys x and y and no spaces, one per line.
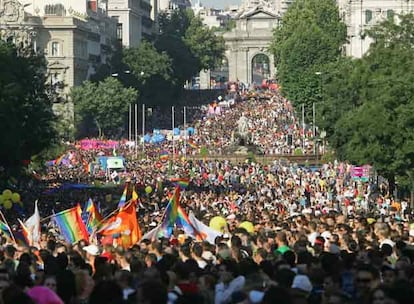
{"x":390,"y":14}
{"x":119,"y":31}
{"x":55,"y":49}
{"x":368,"y":16}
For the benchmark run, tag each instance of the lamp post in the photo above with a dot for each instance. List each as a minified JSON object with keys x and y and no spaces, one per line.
{"x":314,"y":111}
{"x":116,"y":75}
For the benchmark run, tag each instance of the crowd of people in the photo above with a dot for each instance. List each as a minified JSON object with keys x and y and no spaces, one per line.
{"x":318,"y":234}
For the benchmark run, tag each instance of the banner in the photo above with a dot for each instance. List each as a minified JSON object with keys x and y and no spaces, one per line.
{"x":361,"y":173}
{"x":115,"y":162}
{"x":95,"y":144}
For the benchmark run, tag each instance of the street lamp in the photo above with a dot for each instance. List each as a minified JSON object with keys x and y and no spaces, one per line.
{"x":129,"y":110}
{"x":116,"y":74}
{"x":314,"y":111}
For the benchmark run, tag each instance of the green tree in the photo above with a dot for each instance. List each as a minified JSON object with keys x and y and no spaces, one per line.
{"x":146,"y":62}
{"x":102,"y":105}
{"x":189,"y":43}
{"x":311,"y":36}
{"x":170,"y":39}
{"x":376,"y":125}
{"x":26,"y":116}
{"x":206,"y":46}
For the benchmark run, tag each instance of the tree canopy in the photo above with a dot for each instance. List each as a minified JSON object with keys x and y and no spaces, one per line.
{"x":145,"y":62}
{"x":191,"y":45}
{"x":102,"y":106}
{"x":311,"y":36}
{"x":27,"y":119}
{"x":181,"y":49}
{"x":369,"y":102}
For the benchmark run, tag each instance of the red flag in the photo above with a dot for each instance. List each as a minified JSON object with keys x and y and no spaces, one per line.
{"x":124,"y":225}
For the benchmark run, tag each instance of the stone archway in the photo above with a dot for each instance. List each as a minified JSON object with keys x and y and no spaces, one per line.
{"x":250,"y":38}
{"x":260,"y":68}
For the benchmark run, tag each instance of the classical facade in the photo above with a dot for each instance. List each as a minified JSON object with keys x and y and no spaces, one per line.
{"x":360,"y":15}
{"x":256,"y":19}
{"x":247,"y":54}
{"x":76,"y":36}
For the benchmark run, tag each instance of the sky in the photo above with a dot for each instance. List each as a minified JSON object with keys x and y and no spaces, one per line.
{"x":219,"y":3}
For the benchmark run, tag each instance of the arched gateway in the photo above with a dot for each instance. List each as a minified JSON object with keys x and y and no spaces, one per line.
{"x":247,"y":44}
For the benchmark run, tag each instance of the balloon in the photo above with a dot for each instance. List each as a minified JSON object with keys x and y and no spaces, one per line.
{"x":7,"y":204}
{"x":7,"y":194}
{"x":218,"y":223}
{"x":15,"y":197}
{"x":148,"y":189}
{"x":108,"y":198}
{"x":248,"y":226}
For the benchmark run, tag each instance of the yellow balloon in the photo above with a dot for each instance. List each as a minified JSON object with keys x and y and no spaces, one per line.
{"x":248,"y":226}
{"x":15,"y":197}
{"x":7,"y":204}
{"x":148,"y":189}
{"x":218,"y":223}
{"x":7,"y":194}
{"x":108,"y":198}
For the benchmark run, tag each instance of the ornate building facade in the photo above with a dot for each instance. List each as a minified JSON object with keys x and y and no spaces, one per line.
{"x":256,"y":19}
{"x":360,"y":15}
{"x":76,"y":36}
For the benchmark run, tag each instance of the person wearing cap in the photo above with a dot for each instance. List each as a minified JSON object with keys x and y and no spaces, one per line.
{"x":92,"y":251}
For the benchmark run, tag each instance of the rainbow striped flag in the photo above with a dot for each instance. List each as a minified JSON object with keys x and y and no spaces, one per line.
{"x":94,"y":218}
{"x":23,"y":239}
{"x":184,"y":222}
{"x":171,"y":211}
{"x":192,"y":144}
{"x":180,"y":219}
{"x":60,"y":159}
{"x":164,"y":155}
{"x":71,"y":225}
{"x":181,"y":182}
{"x":5,"y":229}
{"x":123,"y":198}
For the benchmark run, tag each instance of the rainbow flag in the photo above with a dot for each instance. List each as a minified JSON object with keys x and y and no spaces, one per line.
{"x":181,"y":220}
{"x":94,"y":218}
{"x":60,"y":159}
{"x":164,"y":155}
{"x":5,"y":229}
{"x":71,"y":225}
{"x":181,"y":182}
{"x":123,"y":198}
{"x":23,"y":238}
{"x":184,"y":222}
{"x":171,"y":211}
{"x":192,"y":144}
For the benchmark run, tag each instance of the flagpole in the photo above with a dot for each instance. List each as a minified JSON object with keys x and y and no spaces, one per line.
{"x":130,"y":123}
{"x":8,"y":226}
{"x":303,"y":128}
{"x":185,"y":132}
{"x":173,"y":140}
{"x":136,"y":131}
{"x":143,"y":129}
